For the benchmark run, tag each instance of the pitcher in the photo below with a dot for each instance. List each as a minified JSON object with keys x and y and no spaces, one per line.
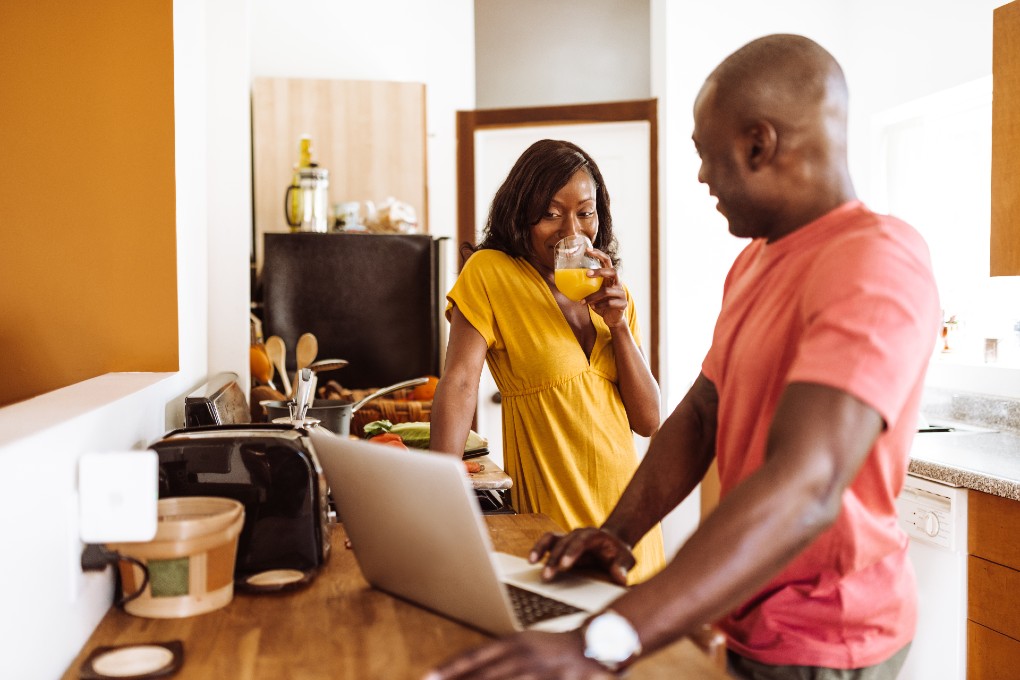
{"x":306,"y":203}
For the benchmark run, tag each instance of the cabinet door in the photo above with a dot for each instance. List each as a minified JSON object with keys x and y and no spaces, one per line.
{"x":1005,"y":243}
{"x":991,"y":655}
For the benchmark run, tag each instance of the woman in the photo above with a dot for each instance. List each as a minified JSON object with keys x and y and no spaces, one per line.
{"x":572,"y":378}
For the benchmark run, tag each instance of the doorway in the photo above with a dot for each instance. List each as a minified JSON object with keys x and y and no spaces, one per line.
{"x":623,"y":138}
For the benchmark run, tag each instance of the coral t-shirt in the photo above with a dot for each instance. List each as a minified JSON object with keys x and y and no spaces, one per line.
{"x":848,"y":301}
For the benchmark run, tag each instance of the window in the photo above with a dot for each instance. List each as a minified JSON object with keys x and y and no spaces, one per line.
{"x":933,"y":169}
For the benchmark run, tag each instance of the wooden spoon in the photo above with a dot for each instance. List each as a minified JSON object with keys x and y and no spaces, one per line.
{"x":260,"y":365}
{"x":323,"y":365}
{"x":307,"y":348}
{"x":277,"y":350}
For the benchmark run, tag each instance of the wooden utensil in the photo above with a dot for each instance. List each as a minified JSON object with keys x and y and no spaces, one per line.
{"x":277,"y":350}
{"x":307,"y":348}
{"x":261,"y":366}
{"x":323,"y":365}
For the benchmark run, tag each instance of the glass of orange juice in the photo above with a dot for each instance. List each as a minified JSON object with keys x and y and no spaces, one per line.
{"x":572,"y":264}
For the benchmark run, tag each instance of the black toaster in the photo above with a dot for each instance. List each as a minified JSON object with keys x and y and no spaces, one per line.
{"x":273,"y":471}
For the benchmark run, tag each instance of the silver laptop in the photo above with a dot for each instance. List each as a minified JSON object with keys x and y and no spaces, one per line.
{"x":417,"y":532}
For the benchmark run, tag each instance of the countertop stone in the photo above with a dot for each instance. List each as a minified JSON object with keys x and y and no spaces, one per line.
{"x":983,"y":461}
{"x":983,"y":453}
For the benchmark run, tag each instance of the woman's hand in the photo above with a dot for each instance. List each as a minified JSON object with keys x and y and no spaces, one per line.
{"x":609,"y":301}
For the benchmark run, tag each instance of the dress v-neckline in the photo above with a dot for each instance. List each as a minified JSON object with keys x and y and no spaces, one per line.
{"x":551,"y":292}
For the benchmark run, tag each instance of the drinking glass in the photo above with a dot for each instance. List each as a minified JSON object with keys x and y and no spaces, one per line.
{"x":572,"y":265}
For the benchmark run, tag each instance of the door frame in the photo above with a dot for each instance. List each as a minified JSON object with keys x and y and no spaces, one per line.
{"x":468,"y":122}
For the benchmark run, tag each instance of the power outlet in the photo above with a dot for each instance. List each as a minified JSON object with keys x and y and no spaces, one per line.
{"x":118,"y":493}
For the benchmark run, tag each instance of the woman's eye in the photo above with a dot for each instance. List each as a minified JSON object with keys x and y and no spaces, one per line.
{"x":586,"y":215}
{"x":550,"y":216}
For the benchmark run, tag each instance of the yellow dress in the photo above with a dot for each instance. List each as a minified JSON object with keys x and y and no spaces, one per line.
{"x":567,"y":443}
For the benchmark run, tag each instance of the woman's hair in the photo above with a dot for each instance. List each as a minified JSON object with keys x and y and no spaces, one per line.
{"x":541,"y":171}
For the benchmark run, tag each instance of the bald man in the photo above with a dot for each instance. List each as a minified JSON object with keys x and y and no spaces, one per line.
{"x":807,"y":400}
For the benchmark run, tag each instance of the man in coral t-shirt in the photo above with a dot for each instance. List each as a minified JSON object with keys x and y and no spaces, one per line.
{"x":808,"y":401}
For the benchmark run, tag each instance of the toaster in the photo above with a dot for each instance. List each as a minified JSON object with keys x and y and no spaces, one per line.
{"x":272,"y":470}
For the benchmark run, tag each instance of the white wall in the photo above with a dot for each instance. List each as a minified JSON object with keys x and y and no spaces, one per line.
{"x":401,"y":40}
{"x":541,"y":53}
{"x":49,"y":608}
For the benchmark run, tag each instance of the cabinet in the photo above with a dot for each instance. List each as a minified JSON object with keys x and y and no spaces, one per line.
{"x":1005,"y":239}
{"x":993,"y":588}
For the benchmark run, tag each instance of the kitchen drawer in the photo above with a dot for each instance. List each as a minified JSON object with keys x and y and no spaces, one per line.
{"x":994,"y":525}
{"x":991,"y":655}
{"x":992,"y":595}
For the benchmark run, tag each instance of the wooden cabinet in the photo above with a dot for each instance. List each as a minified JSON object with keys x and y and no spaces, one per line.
{"x":1005,"y":240}
{"x":993,"y":588}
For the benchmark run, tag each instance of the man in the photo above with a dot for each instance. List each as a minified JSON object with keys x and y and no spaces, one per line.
{"x":808,"y":400}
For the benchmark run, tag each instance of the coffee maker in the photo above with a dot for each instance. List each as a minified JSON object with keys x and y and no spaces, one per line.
{"x":306,"y":201}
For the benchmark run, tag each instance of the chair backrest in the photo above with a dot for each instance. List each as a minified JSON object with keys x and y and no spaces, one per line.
{"x":372,"y":299}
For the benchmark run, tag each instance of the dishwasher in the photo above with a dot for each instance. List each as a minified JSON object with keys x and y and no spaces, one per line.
{"x":934,"y":516}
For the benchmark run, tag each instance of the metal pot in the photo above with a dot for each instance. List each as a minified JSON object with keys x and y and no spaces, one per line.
{"x":335,"y":414}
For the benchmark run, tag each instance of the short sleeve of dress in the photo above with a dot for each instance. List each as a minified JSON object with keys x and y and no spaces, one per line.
{"x":471,"y":293}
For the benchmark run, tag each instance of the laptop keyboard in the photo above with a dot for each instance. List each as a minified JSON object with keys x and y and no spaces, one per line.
{"x":530,"y":607}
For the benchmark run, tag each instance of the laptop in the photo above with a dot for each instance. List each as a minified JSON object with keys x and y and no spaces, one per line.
{"x":417,"y":533}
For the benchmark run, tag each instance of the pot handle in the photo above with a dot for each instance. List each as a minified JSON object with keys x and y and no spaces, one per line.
{"x":386,"y":390}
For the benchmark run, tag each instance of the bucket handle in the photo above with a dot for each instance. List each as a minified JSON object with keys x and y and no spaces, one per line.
{"x":386,"y":390}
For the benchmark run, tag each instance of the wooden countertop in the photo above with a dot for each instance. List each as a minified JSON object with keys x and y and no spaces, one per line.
{"x":338,"y":627}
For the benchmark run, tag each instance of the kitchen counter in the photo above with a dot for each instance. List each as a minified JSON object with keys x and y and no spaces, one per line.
{"x":338,"y":627}
{"x":981,"y":460}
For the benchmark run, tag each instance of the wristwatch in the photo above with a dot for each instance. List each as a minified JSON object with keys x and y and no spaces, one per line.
{"x":610,"y":640}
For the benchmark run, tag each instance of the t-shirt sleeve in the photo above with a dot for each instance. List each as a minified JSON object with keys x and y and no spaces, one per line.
{"x":471,"y":294}
{"x":870,"y":313}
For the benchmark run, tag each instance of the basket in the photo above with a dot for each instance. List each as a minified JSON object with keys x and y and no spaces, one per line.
{"x":190,"y":560}
{"x":396,"y":407}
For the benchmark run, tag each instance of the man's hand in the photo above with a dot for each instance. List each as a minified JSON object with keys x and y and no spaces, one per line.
{"x":531,"y":654}
{"x":583,"y":547}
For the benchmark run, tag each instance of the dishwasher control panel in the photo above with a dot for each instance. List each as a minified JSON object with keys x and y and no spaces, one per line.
{"x":933,"y":513}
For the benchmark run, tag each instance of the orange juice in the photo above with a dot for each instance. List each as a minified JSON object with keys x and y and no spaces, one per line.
{"x":575,"y":284}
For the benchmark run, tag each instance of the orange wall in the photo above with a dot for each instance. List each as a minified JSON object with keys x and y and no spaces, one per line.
{"x":87,"y":198}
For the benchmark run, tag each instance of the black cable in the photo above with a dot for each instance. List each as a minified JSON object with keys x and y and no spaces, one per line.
{"x":95,"y":557}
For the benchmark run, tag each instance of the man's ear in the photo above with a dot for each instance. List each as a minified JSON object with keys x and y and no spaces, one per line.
{"x":761,"y":142}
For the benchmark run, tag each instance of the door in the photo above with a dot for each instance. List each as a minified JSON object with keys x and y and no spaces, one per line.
{"x":622,"y":138}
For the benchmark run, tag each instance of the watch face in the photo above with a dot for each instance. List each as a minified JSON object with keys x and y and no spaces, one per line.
{"x":610,"y":640}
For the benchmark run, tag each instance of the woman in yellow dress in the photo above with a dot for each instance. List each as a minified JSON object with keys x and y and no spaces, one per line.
{"x":573,"y":380}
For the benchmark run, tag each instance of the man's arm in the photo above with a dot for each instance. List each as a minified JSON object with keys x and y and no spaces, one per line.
{"x":818,"y":440}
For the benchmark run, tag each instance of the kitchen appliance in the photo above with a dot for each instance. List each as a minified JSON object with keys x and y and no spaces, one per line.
{"x":273,"y":471}
{"x":306,"y":202}
{"x":375,"y":300}
{"x":934,"y":516}
{"x":220,"y":401}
